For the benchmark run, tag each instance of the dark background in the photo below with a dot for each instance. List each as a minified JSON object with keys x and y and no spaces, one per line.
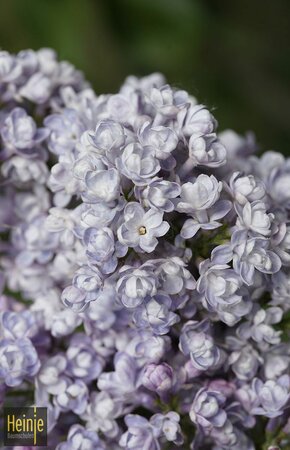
{"x":234,"y":55}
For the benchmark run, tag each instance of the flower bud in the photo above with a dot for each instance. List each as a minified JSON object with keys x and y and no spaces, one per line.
{"x":158,"y":377}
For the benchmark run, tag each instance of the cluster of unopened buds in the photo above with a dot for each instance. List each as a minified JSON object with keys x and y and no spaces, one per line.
{"x":145,"y":266}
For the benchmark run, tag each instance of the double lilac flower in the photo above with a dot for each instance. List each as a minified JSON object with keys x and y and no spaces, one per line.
{"x":18,"y":361}
{"x":200,"y":200}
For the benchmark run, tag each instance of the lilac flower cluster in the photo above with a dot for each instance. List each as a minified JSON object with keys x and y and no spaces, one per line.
{"x":144,"y":267}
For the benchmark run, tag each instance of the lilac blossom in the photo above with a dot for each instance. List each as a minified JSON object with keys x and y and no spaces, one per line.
{"x":78,"y":436}
{"x":22,"y":170}
{"x":169,"y":425}
{"x":244,"y":358}
{"x":64,"y":323}
{"x":174,"y":277}
{"x":61,"y":183}
{"x":135,"y":284}
{"x":34,"y":242}
{"x":65,"y":129}
{"x":18,"y":325}
{"x":200,"y":195}
{"x":246,"y":188}
{"x":157,"y":377}
{"x":138,"y":163}
{"x":261,"y":329}
{"x":159,"y":194}
{"x":221,"y":290}
{"x":206,"y":150}
{"x":109,"y":136}
{"x":283,"y":249}
{"x":141,"y":434}
{"x":145,"y":347}
{"x":197,"y":121}
{"x":101,"y":249}
{"x":253,"y":217}
{"x":162,"y":139}
{"x":100,"y":314}
{"x":277,"y":180}
{"x":155,"y":314}
{"x":10,"y":69}
{"x":82,"y":361}
{"x":73,"y":398}
{"x":18,"y":360}
{"x":101,"y":413}
{"x":20,"y":133}
{"x":166,"y":101}
{"x":102,"y":186}
{"x":200,"y":201}
{"x":196,"y":342}
{"x":123,"y":381}
{"x":51,"y":378}
{"x":141,"y":229}
{"x":207,"y":410}
{"x":253,"y":254}
{"x":38,"y":88}
{"x":272,"y":396}
{"x":100,"y":215}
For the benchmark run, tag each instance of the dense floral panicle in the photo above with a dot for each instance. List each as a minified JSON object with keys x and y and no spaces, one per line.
{"x":144,"y":265}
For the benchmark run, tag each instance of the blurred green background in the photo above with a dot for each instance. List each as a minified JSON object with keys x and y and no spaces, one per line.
{"x":233,"y":55}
